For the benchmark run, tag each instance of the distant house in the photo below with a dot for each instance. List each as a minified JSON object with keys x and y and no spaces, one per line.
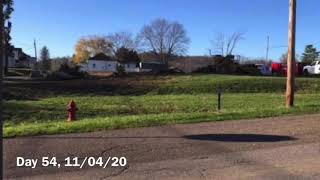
{"x":104,"y":63}
{"x":100,"y":63}
{"x":20,"y":59}
{"x":152,"y":66}
{"x":131,"y":66}
{"x":150,"y":62}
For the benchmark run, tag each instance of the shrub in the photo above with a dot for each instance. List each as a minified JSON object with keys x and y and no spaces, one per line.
{"x":120,"y":70}
{"x":221,"y":65}
{"x":248,"y":69}
{"x":66,"y":72}
{"x":71,"y":70}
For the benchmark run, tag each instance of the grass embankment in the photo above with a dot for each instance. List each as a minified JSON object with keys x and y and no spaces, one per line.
{"x":168,"y":100}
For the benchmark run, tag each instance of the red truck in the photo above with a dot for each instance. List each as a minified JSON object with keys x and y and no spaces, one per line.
{"x":281,"y":69}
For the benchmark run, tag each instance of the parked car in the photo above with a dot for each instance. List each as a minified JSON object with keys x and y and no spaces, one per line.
{"x":314,"y":68}
{"x":264,"y":69}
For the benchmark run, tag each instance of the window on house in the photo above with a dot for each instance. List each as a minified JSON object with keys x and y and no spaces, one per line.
{"x":94,"y":65}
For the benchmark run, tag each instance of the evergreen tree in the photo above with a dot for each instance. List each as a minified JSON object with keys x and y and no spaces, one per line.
{"x":45,"y":58}
{"x":122,"y":55}
{"x":125,"y":55}
{"x":7,"y":12}
{"x":310,"y":54}
{"x":121,"y":70}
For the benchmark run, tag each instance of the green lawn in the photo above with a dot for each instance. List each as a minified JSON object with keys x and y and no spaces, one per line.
{"x":169,"y":100}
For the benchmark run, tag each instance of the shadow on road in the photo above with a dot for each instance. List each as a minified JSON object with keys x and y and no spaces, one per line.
{"x":239,"y":137}
{"x":202,"y":137}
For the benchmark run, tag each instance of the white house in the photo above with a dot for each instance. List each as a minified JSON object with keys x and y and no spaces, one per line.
{"x":104,"y":63}
{"x":100,"y":63}
{"x":20,"y":59}
{"x":131,"y":66}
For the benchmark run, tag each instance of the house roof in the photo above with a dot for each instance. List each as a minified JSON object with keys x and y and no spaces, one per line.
{"x":17,"y":49}
{"x":101,"y":57}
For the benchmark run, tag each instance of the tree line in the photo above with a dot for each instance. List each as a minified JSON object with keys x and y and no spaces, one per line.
{"x":309,"y":55}
{"x":162,"y":38}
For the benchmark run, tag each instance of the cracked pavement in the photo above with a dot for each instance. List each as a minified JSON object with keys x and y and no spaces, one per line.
{"x":271,"y":148}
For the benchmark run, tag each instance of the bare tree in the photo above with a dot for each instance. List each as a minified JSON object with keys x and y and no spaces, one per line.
{"x":219,"y":43}
{"x":122,"y":40}
{"x":284,"y":57}
{"x":165,"y":39}
{"x":225,"y":46}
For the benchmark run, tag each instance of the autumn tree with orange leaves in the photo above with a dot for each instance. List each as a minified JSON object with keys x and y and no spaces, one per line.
{"x":89,"y":46}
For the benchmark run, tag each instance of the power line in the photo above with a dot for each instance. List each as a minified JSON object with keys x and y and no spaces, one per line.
{"x":23,"y":43}
{"x":29,"y":49}
{"x":317,"y":42}
{"x":275,"y":47}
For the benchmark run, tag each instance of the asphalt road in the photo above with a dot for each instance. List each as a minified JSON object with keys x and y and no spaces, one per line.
{"x":272,"y":148}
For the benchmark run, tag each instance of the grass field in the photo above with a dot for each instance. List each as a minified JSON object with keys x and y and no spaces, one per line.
{"x":34,"y":108}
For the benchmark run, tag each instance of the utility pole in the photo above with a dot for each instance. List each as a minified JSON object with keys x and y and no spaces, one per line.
{"x":35,"y":49}
{"x":36,"y":65}
{"x":291,"y":55}
{"x":267,"y":55}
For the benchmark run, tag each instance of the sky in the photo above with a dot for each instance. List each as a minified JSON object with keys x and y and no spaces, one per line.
{"x":59,"y":24}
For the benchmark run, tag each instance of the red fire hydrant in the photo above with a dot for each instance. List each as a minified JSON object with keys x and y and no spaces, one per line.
{"x":72,"y":108}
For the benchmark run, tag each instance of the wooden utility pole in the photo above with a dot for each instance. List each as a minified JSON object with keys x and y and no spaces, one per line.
{"x":291,"y":55}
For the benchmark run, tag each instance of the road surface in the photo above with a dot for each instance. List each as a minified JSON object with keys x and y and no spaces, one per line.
{"x":272,"y":148}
